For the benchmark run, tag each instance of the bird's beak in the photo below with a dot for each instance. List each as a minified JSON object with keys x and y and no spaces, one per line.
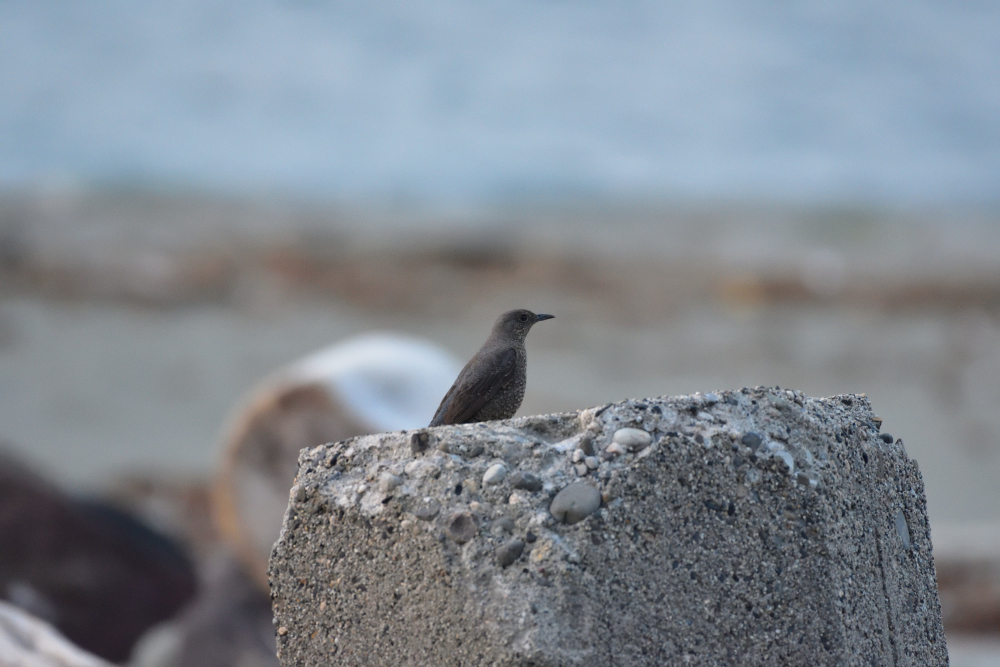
{"x":539,"y":318}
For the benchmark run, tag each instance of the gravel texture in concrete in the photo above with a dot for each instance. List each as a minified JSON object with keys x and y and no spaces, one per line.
{"x":753,"y":527}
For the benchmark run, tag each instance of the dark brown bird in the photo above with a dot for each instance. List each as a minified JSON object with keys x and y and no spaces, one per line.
{"x":491,"y":386}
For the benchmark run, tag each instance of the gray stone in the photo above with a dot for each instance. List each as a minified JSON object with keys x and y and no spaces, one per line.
{"x":526,"y":481}
{"x":575,"y":503}
{"x":427,"y":510}
{"x":696,"y":555}
{"x":505,"y":524}
{"x":461,"y":527}
{"x":902,"y":529}
{"x":509,"y":552}
{"x":752,"y":440}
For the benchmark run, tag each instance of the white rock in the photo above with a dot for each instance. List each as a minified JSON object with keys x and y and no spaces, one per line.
{"x":787,"y":458}
{"x":578,"y":455}
{"x":420,"y":468}
{"x":387,"y":482}
{"x":633,"y":439}
{"x":591,"y":462}
{"x":494,"y":473}
{"x":390,"y":381}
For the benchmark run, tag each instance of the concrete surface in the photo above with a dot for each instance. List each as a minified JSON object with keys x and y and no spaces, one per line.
{"x":756,"y":527}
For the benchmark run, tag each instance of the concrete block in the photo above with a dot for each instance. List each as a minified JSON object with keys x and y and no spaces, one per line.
{"x":754,"y":527}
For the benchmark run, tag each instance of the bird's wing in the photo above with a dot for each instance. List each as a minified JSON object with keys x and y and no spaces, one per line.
{"x":478,"y":382}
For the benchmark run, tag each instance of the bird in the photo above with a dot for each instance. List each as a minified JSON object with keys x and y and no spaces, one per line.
{"x":491,"y":386}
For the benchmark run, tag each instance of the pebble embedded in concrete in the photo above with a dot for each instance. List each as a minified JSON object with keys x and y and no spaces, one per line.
{"x":526,"y":481}
{"x":462,"y":527}
{"x":509,"y":552}
{"x":903,"y":529}
{"x":633,"y":439}
{"x":615,"y":448}
{"x":495,"y":473}
{"x":426,"y":510}
{"x":505,"y":524}
{"x":420,"y":468}
{"x":787,"y":458}
{"x":752,"y":440}
{"x":575,"y":503}
{"x":387,"y":482}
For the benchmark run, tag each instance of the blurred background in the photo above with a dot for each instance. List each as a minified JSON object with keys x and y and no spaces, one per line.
{"x":195,"y":195}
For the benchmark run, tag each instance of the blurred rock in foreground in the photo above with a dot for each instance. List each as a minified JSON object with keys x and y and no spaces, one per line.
{"x":757,"y":527}
{"x":26,"y":641}
{"x":369,"y":384}
{"x":228,"y":625}
{"x":97,"y":574}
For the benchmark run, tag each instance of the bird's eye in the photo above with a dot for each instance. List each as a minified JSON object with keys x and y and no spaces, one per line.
{"x":524,"y":317}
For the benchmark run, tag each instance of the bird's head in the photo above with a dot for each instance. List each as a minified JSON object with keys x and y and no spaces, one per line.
{"x":517,"y":323}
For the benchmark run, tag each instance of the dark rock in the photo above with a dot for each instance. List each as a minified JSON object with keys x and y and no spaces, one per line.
{"x":462,"y":527}
{"x":752,"y":440}
{"x":419,"y":442}
{"x":95,"y":572}
{"x":575,"y":503}
{"x":426,"y":511}
{"x":509,"y":552}
{"x":526,"y":481}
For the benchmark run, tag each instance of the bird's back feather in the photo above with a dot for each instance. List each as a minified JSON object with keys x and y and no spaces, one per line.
{"x":489,"y":371}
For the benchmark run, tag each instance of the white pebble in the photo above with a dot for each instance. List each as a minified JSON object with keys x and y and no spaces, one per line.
{"x":578,"y":455}
{"x":494,"y":473}
{"x":362,"y":488}
{"x":387,"y":482}
{"x":591,"y":462}
{"x":706,"y":417}
{"x":787,"y":458}
{"x":581,"y":469}
{"x":421,"y":468}
{"x":632,"y":438}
